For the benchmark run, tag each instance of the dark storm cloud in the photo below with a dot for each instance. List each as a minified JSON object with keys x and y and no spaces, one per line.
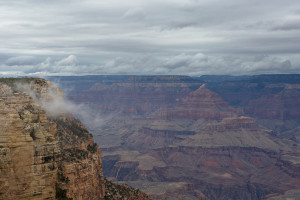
{"x":192,"y":37}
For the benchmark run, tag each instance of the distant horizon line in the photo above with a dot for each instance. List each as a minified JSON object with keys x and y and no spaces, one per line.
{"x":151,"y":75}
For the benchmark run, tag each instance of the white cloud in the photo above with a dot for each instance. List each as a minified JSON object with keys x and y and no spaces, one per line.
{"x":43,"y":66}
{"x":71,"y":60}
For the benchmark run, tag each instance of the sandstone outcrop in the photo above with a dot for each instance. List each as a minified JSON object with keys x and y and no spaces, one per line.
{"x":80,"y":167}
{"x":29,"y":149}
{"x":43,"y":156}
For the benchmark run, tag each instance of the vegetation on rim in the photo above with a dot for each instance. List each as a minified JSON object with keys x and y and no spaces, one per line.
{"x":114,"y":191}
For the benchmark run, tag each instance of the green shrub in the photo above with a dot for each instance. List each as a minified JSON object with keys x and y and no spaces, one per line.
{"x":92,"y":148}
{"x":61,"y":194}
{"x":61,"y":177}
{"x":73,"y":128}
{"x":32,"y":134}
{"x":74,"y":154}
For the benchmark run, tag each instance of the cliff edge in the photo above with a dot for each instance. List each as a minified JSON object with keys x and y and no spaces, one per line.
{"x":44,"y":153}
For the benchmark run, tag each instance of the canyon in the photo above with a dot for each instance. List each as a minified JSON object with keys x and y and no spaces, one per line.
{"x":209,"y":137}
{"x":45,"y":152}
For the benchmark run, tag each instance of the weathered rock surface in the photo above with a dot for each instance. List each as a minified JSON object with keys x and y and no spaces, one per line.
{"x":80,"y":167}
{"x":29,"y":150}
{"x":114,"y":191}
{"x":44,"y":157}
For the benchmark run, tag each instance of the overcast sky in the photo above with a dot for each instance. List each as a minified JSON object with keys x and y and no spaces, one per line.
{"x":182,"y":37}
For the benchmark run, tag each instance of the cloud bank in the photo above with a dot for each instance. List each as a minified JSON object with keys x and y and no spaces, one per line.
{"x":191,"y":37}
{"x":55,"y":105}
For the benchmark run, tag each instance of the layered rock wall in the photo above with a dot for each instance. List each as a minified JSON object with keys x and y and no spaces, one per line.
{"x":28,"y":148}
{"x":42,"y":156}
{"x":80,"y":169}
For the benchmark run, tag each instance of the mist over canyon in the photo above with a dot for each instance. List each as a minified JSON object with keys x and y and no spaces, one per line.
{"x":181,"y":137}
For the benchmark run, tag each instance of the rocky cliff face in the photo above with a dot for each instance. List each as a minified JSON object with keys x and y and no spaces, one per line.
{"x":80,"y":167}
{"x":44,"y":157}
{"x":29,"y":150}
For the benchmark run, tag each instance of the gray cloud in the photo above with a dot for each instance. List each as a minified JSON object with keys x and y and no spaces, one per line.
{"x":20,"y":60}
{"x":149,"y":37}
{"x":288,"y":26}
{"x":188,"y":64}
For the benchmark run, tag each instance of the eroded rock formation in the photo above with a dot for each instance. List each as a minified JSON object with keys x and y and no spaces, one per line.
{"x":29,"y":150}
{"x":80,"y":167}
{"x":43,"y":156}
